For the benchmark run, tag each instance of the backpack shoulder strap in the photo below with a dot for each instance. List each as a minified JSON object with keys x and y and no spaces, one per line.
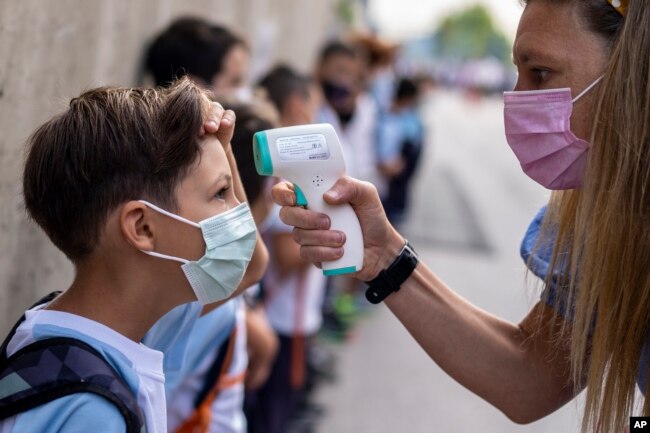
{"x":52,"y":368}
{"x":57,"y":367}
{"x":5,"y":343}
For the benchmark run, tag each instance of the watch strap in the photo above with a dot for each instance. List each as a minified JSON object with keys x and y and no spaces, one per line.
{"x":390,"y":280}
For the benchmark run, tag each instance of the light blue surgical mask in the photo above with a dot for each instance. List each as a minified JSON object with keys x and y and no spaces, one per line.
{"x":230,"y":239}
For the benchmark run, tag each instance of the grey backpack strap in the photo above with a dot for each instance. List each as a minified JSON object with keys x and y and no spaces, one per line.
{"x":57,"y":367}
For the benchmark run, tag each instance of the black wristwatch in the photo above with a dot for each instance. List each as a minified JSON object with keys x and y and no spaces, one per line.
{"x":390,"y":280}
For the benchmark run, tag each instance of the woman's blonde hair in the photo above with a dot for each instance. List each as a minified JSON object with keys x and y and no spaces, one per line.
{"x":602,"y":247}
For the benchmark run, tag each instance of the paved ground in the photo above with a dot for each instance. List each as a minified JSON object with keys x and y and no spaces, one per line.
{"x":472,"y":205}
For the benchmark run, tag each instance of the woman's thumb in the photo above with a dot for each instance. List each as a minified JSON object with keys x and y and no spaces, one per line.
{"x":348,"y":190}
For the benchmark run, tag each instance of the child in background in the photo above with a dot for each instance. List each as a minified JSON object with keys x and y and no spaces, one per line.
{"x":380,"y":58}
{"x":349,"y":108}
{"x":205,"y":386}
{"x":207,"y":393}
{"x":210,"y":55}
{"x":295,"y":96}
{"x":129,"y":186}
{"x":342,"y":73}
{"x":292,"y":288}
{"x":400,"y":142}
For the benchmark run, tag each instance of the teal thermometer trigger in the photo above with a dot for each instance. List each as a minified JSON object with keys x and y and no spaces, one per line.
{"x":310,"y":157}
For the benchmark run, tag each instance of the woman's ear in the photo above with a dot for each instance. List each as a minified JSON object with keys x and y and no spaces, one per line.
{"x":137,"y":226}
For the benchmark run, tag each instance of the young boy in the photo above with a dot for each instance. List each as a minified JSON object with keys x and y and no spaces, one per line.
{"x":400,"y":141}
{"x":138,"y":187}
{"x":204,"y":370}
{"x":206,"y":392}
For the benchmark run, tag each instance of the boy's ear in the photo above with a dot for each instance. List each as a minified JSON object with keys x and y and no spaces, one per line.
{"x":137,"y":226}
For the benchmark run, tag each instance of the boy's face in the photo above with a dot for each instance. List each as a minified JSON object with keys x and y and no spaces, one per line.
{"x":205,"y":191}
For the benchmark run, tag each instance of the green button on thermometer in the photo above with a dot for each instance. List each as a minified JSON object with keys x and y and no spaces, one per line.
{"x":310,"y":157}
{"x":301,"y":200}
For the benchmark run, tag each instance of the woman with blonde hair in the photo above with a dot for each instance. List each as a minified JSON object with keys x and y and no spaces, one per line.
{"x":579,"y":122}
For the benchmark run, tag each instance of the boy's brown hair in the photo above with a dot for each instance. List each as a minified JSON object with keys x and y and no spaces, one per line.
{"x":110,"y":146}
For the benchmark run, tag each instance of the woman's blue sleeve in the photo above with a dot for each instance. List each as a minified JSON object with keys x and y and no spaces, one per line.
{"x":537,"y":256}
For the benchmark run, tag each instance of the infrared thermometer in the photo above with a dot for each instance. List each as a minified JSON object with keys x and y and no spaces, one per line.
{"x":310,"y":157}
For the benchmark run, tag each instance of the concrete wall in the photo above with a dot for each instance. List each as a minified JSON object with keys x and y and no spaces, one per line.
{"x":52,"y":50}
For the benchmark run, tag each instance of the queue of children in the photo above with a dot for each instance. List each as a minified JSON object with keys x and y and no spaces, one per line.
{"x":191,"y":309}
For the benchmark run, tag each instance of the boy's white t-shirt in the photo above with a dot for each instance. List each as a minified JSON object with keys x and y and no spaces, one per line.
{"x":294,"y":302}
{"x":139,"y":366}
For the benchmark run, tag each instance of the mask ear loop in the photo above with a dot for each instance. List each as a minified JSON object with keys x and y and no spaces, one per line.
{"x":165,"y":256}
{"x":584,"y":92}
{"x":173,"y":216}
{"x":169,"y":214}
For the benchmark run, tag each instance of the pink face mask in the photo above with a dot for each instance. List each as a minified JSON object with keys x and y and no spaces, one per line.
{"x":538,"y":129}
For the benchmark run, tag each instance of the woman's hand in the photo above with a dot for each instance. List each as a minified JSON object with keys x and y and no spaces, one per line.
{"x":382,"y":243}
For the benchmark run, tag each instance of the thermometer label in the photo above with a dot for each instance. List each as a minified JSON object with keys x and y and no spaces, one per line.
{"x":312,"y":147}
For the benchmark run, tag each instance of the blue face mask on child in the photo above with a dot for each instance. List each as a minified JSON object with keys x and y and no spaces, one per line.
{"x":230,"y":239}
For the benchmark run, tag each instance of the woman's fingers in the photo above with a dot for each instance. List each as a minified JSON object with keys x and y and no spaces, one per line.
{"x":324,"y":238}
{"x":304,"y":218}
{"x":382,"y":242}
{"x":316,"y":254}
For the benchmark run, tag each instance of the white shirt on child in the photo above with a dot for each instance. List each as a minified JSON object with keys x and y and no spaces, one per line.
{"x":198,"y":353}
{"x":294,"y":302}
{"x":140,"y":367}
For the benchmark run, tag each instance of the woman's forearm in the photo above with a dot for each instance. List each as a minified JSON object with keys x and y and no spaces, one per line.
{"x":505,"y":364}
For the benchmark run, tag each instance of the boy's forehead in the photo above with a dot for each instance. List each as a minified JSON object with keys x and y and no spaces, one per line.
{"x":212,"y":161}
{"x":212,"y":151}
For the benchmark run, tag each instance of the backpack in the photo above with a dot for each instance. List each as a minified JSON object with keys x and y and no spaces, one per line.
{"x":48,"y":369}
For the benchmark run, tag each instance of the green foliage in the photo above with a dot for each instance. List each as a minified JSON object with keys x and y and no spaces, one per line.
{"x":471,"y":34}
{"x":345,"y":10}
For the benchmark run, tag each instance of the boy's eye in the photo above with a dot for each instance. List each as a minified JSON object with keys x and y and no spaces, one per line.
{"x":221,"y":194}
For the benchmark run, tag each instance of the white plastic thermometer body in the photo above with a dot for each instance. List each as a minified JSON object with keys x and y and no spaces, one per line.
{"x":310,"y":157}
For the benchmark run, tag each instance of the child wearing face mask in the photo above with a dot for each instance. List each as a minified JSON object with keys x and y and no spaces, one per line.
{"x":140,"y":190}
{"x":208,"y":368}
{"x":200,"y":356}
{"x":292,"y":288}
